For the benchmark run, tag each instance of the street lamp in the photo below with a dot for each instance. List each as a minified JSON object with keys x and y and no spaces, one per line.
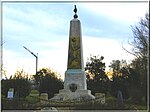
{"x":36,"y":56}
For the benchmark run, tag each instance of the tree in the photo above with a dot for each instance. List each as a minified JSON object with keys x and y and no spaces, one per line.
{"x":97,"y":80}
{"x":120,"y":76}
{"x":134,"y":85}
{"x":140,"y":42}
{"x":19,"y":82}
{"x":141,"y":37}
{"x":140,"y":48}
{"x":49,"y":82}
{"x":138,"y":79}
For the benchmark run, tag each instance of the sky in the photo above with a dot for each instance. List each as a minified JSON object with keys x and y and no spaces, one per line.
{"x":43,"y":28}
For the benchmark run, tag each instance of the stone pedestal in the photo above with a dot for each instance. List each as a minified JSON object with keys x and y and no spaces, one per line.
{"x":75,"y":78}
{"x":78,"y":95}
{"x":75,"y":87}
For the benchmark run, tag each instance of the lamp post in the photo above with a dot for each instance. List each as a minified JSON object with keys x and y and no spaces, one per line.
{"x":36,"y":56}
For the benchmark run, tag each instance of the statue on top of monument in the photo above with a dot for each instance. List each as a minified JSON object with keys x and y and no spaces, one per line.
{"x":75,"y":10}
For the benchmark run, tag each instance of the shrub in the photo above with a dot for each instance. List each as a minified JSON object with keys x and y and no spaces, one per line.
{"x":21,"y":87}
{"x":33,"y":97}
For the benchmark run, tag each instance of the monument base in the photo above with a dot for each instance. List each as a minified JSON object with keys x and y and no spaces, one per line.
{"x":78,"y":95}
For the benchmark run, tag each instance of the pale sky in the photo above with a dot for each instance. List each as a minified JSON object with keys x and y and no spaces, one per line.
{"x":43,"y":27}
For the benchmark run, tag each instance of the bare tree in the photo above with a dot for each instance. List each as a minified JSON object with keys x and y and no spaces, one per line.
{"x":140,"y":42}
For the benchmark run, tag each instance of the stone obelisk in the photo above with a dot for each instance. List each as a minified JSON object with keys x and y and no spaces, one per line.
{"x":75,"y":76}
{"x":75,"y":87}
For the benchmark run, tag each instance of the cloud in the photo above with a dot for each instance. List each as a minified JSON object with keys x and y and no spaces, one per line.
{"x":57,"y":58}
{"x":32,"y":22}
{"x":45,"y":30}
{"x":111,"y":49}
{"x":127,"y":12}
{"x":13,"y":61}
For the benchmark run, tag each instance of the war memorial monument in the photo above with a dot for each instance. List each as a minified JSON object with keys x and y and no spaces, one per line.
{"x":75,"y":94}
{"x":75,"y":86}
